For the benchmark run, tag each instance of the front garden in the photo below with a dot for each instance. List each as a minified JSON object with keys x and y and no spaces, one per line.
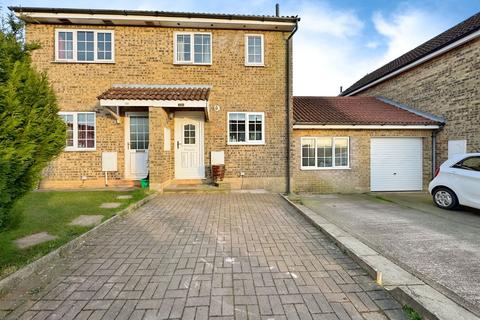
{"x":45,"y":220}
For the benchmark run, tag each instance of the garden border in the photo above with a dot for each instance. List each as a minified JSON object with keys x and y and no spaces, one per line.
{"x":19,"y":275}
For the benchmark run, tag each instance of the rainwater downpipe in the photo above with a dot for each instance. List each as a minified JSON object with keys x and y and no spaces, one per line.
{"x":434,"y":149}
{"x":288,"y":101}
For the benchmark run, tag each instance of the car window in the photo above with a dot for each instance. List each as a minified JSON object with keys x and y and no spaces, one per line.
{"x":472,"y":163}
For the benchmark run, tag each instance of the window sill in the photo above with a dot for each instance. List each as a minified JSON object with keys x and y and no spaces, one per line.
{"x":191,"y":64}
{"x":262,"y":143}
{"x":79,"y":149}
{"x":254,"y":65}
{"x":324,"y":169}
{"x":82,"y":62}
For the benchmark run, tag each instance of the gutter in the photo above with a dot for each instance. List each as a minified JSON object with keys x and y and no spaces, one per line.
{"x":288,"y":100}
{"x":364,"y":127}
{"x":188,"y":15}
{"x":411,"y":65}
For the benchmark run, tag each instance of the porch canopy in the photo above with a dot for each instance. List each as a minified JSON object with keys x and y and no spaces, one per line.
{"x":165,"y":96}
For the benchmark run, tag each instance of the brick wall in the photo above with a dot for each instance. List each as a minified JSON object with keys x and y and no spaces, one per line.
{"x":160,"y":160}
{"x":447,"y":86}
{"x":144,"y":55}
{"x":357,"y":178}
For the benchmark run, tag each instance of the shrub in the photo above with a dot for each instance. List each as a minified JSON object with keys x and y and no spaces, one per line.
{"x":31,"y":132}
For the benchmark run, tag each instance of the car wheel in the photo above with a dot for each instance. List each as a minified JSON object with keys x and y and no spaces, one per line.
{"x":445,"y":198}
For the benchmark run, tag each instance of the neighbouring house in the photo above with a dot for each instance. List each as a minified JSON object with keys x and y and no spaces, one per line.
{"x":441,"y":76}
{"x":165,"y":94}
{"x":360,"y":144}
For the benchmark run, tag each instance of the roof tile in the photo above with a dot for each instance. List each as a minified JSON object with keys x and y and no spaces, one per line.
{"x":155,"y":93}
{"x":352,"y":111}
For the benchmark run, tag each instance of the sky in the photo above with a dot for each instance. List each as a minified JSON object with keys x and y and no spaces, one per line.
{"x":338,"y":41}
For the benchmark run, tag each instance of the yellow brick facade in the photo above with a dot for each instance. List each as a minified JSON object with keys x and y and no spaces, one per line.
{"x":447,"y":86}
{"x":357,"y":177}
{"x":144,"y":55}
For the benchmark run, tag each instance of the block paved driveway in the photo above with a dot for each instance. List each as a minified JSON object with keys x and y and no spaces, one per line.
{"x":242,"y":256}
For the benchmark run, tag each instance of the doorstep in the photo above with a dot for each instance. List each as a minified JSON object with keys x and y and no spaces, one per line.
{"x":185,"y":187}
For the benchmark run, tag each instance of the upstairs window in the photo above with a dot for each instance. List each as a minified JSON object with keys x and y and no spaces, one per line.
{"x":80,"y":130}
{"x":246,"y":128}
{"x":84,"y":46}
{"x":325,"y":153}
{"x":193,"y":48}
{"x":254,"y":51}
{"x":65,"y":46}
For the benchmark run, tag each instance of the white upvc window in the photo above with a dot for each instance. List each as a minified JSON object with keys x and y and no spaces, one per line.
{"x":192,"y":48}
{"x":84,"y":46}
{"x":325,"y":153}
{"x":81,"y":127}
{"x":246,"y":128}
{"x":254,"y":50}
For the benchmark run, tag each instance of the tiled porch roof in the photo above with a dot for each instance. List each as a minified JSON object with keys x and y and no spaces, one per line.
{"x":152,"y":92}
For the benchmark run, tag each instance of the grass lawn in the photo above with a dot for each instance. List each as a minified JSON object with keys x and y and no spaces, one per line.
{"x":52,"y":211}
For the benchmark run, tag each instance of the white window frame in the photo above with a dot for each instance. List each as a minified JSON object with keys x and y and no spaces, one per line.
{"x":95,"y":45}
{"x":75,"y":130}
{"x":254,"y":64}
{"x":247,"y":140}
{"x":192,"y":48}
{"x":333,"y":167}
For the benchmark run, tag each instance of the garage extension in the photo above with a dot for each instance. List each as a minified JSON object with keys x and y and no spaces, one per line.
{"x":360,"y":144}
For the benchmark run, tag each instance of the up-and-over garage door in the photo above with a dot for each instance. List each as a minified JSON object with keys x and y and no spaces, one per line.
{"x":396,"y":164}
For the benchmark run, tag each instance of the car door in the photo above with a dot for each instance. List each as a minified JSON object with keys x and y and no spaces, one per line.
{"x":467,"y":181}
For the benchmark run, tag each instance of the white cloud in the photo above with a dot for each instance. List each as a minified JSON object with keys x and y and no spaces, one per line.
{"x":406,"y":30}
{"x":338,"y":51}
{"x":322,"y":19}
{"x":324,"y":49}
{"x":372,"y":44}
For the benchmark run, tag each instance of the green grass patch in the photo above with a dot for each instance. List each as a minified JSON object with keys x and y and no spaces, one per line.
{"x":411,"y":314}
{"x":382,"y":199}
{"x":52,"y":211}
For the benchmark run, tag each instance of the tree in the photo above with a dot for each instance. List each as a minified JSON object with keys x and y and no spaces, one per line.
{"x":31,"y":132}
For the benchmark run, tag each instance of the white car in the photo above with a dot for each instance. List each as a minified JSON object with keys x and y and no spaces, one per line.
{"x":457,"y":182}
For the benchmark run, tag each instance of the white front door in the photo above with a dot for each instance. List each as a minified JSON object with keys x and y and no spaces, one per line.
{"x":189,"y":162}
{"x":136,"y":145}
{"x":396,"y":164}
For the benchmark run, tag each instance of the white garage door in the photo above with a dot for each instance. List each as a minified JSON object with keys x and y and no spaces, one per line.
{"x":396,"y":164}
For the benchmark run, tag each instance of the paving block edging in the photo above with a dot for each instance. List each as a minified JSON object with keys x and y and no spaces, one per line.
{"x":431,"y":306}
{"x":73,"y":244}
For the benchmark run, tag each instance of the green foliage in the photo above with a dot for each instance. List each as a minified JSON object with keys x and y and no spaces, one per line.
{"x":31,"y":132}
{"x":411,"y":314}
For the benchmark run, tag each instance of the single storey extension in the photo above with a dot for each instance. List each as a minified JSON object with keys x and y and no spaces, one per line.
{"x":360,"y":144}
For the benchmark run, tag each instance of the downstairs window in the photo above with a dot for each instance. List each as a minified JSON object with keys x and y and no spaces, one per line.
{"x":325,"y":153}
{"x":80,"y":130}
{"x":246,"y":128}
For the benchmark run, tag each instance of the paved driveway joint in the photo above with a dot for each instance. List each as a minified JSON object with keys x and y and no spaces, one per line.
{"x":199,"y":256}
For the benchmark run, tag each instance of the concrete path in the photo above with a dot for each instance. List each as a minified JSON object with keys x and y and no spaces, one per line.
{"x":441,"y":247}
{"x":242,"y":256}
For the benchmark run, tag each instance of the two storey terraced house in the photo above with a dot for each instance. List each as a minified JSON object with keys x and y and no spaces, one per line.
{"x":166,"y":95}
